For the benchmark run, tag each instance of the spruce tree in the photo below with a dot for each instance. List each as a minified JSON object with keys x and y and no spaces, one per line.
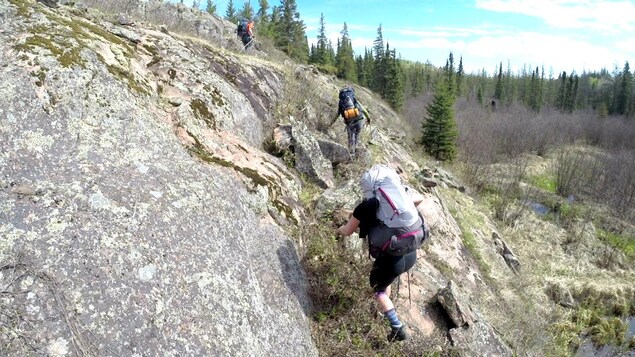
{"x":449,"y":74}
{"x":345,"y":62}
{"x":379,"y":66}
{"x":439,"y":131}
{"x":248,"y":11}
{"x":322,"y":55}
{"x":290,"y":34}
{"x":459,"y":77}
{"x":263,"y":12}
{"x":625,"y":91}
{"x":498,"y":92}
{"x":394,"y":80}
{"x":230,"y":13}
{"x":210,"y":8}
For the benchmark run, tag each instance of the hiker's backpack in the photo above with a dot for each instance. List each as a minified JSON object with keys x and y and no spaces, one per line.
{"x":242,"y":27}
{"x":348,"y":104}
{"x":402,"y":229}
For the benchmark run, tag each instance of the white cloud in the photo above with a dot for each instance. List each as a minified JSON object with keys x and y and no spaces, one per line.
{"x":600,"y":15}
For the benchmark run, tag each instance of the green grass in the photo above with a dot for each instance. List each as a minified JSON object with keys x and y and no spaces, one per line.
{"x":623,"y":243}
{"x":545,"y":182}
{"x":466,"y":223}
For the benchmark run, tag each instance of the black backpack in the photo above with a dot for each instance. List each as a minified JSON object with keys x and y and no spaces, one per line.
{"x":348,"y":104}
{"x":242,"y":27}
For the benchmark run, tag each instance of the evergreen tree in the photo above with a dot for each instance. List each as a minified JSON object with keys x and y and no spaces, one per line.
{"x":344,"y":60}
{"x":625,"y":92}
{"x":263,"y":12}
{"x":379,"y":67}
{"x":561,"y":98}
{"x":289,"y":32}
{"x":498,"y":92}
{"x":210,"y":8}
{"x":479,"y":95}
{"x":439,"y":131}
{"x":459,"y":77}
{"x":248,"y":11}
{"x":394,"y":80}
{"x":230,"y":13}
{"x":449,"y":74}
{"x":196,"y":4}
{"x":322,"y":55}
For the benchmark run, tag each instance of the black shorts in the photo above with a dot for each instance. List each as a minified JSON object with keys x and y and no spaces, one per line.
{"x":388,"y":268}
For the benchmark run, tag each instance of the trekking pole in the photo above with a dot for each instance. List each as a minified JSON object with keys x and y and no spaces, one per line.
{"x":409,"y":297}
{"x":248,"y":43}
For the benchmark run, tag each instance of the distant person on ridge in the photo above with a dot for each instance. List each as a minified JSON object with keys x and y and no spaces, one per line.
{"x":245,"y":31}
{"x":353,"y":113}
{"x":395,"y":229}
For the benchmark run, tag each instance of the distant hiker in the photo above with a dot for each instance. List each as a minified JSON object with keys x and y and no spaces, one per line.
{"x":245,"y":31}
{"x":353,"y":113}
{"x":389,"y":218}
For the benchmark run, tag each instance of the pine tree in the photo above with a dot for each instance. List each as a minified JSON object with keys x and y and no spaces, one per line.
{"x":344,"y":60}
{"x":439,"y":131}
{"x":625,"y":92}
{"x":210,"y":8}
{"x":379,"y":67}
{"x":561,"y":98}
{"x":290,"y":34}
{"x":263,"y":11}
{"x":230,"y":13}
{"x":498,"y":92}
{"x":248,"y":11}
{"x":449,"y":74}
{"x":479,"y":95}
{"x":394,"y":80}
{"x":322,"y":56}
{"x":459,"y":77}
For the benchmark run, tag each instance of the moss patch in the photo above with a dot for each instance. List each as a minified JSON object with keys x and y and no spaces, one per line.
{"x":126,"y":76}
{"x":200,"y":110}
{"x":22,"y":7}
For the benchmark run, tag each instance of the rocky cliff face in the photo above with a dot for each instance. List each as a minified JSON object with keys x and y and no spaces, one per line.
{"x":139,"y":213}
{"x":135,"y":207}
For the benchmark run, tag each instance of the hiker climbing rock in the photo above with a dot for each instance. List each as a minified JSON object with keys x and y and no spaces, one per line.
{"x":245,"y":31}
{"x":354,"y":114}
{"x":389,"y":218}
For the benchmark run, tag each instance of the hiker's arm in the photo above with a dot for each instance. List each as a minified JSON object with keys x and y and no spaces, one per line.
{"x":350,"y":227}
{"x":417,"y":198}
{"x":334,"y":119}
{"x":365,"y":112}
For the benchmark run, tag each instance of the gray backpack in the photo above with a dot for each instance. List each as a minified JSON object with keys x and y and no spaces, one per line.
{"x":402,"y":229}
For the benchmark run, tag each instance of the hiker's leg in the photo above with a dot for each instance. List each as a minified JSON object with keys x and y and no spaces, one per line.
{"x":381,"y":276}
{"x":351,"y":136}
{"x":385,"y":270}
{"x":357,"y":129}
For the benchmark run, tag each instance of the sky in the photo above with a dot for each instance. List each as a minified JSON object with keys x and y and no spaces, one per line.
{"x":561,"y":35}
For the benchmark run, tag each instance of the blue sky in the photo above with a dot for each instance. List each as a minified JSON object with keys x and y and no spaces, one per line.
{"x":562,"y":35}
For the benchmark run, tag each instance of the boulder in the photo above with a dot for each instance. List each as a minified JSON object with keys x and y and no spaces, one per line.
{"x":309,"y":159}
{"x":479,"y":339}
{"x":503,"y":249}
{"x":282,"y":138}
{"x":456,"y":305}
{"x":334,"y":152}
{"x":341,"y":197}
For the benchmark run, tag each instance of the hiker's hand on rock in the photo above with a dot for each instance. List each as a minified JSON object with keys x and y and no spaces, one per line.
{"x":341,"y":216}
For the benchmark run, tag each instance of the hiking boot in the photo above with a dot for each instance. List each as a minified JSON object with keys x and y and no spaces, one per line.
{"x":397,"y":333}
